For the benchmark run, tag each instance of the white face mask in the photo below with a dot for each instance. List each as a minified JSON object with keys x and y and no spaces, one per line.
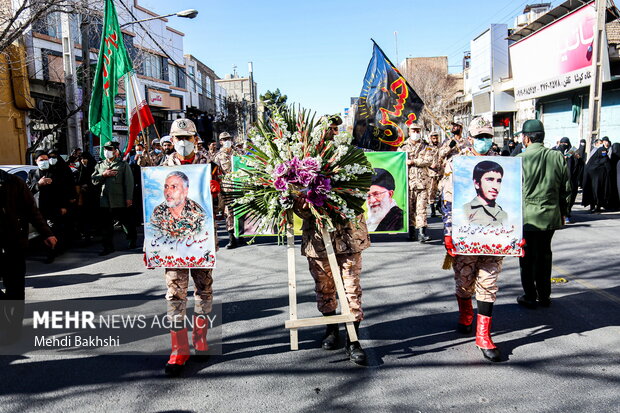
{"x":416,"y":136}
{"x":138,"y":152}
{"x":184,"y":147}
{"x":108,"y":154}
{"x":227,"y":144}
{"x":43,"y":165}
{"x":53,"y":161}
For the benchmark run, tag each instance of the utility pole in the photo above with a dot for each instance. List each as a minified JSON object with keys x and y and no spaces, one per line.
{"x":596,"y":86}
{"x":86,"y":74}
{"x":68,"y":58}
{"x":252,"y":97}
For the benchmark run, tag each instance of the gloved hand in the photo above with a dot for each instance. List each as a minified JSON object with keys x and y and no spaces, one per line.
{"x":215,"y":187}
{"x":452,"y":144}
{"x":450,"y":248}
{"x":522,"y":245}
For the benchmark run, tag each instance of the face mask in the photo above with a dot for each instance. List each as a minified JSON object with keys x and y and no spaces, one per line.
{"x":157,"y":151}
{"x":43,"y":165}
{"x":138,"y":152}
{"x":227,"y":144}
{"x":416,"y":136}
{"x":482,"y":146}
{"x":108,"y":154}
{"x":184,"y":148}
{"x":53,"y":161}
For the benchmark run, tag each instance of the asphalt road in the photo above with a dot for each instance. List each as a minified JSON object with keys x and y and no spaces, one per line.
{"x":564,"y":358}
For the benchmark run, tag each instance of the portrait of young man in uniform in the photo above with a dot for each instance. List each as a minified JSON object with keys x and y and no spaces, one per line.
{"x":484,"y":209}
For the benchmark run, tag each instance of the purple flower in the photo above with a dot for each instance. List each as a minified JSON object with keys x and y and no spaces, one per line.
{"x":316,"y":198}
{"x":280,"y":184}
{"x":305,"y":177}
{"x":294,"y":163}
{"x":280,"y":170}
{"x":311,"y":164}
{"x":322,"y":184}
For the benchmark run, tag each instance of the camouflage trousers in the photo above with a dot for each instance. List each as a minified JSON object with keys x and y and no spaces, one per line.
{"x":432,"y":190}
{"x":230,"y":219}
{"x":477,"y":273}
{"x":418,"y":202}
{"x":177,"y":282}
{"x":325,"y":289}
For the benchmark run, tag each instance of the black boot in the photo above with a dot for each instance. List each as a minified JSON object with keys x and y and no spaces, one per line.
{"x":354,"y":350}
{"x":433,"y":211}
{"x":331,"y":340}
{"x":232,"y":243}
{"x":413,"y":235}
{"x":422,"y":235}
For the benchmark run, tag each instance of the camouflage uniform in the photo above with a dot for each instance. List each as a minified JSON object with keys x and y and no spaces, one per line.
{"x":472,"y":273}
{"x":349,"y":241}
{"x":435,"y":172}
{"x":419,"y":180}
{"x":156,"y":157}
{"x":177,"y":279}
{"x":224,"y":160}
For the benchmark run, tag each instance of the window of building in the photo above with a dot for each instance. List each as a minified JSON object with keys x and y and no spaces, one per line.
{"x":53,"y":26}
{"x":151,"y":66}
{"x":209,"y":88}
{"x":199,"y":83}
{"x":173,"y":75}
{"x":192,"y":75}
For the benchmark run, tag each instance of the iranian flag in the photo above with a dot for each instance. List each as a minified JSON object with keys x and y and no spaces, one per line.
{"x":112,"y":64}
{"x":138,"y":112}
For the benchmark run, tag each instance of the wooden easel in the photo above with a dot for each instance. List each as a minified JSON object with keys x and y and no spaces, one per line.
{"x":294,"y":323}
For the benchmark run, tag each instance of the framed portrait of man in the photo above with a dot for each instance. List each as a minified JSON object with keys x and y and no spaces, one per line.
{"x":487,"y":215}
{"x":386,"y":202}
{"x":178,"y":217}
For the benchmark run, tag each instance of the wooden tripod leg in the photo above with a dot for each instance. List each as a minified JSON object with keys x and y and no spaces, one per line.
{"x":292,"y":283}
{"x":342,"y":297}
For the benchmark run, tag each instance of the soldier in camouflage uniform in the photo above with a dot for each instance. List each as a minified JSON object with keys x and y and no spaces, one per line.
{"x":224,"y":160}
{"x":183,"y":132}
{"x":419,"y":159}
{"x":435,"y":172}
{"x":473,"y":273}
{"x":348,"y":241}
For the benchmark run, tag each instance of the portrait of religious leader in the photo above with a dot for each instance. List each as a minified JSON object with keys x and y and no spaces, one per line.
{"x":178,"y":216}
{"x":483,"y":209}
{"x":383,"y":212}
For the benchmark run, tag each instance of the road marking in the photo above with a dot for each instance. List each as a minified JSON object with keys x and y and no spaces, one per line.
{"x":587,"y":284}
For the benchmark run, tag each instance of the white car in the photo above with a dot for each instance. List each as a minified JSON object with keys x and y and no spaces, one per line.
{"x":22,"y":172}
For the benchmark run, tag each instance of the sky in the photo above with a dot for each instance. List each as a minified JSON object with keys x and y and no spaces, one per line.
{"x":316,"y":52}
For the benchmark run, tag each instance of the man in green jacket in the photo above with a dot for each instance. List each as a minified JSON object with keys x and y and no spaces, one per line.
{"x":116,"y":180}
{"x":546,"y":198}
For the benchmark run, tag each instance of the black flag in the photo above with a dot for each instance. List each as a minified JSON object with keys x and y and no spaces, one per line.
{"x":386,"y":106}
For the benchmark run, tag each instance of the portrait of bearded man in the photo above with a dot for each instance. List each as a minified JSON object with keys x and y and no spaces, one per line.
{"x":178,"y":216}
{"x":384,"y":214}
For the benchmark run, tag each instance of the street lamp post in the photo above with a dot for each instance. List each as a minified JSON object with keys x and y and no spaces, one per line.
{"x":186,"y":14}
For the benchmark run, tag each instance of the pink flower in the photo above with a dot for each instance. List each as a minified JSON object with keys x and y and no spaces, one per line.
{"x":280,"y":184}
{"x":311,"y":164}
{"x":280,"y":170}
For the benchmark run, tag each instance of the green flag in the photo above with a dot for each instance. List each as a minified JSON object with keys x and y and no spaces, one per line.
{"x":112,"y":64}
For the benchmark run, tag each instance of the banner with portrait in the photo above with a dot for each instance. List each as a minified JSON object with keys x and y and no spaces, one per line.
{"x":487,"y":214}
{"x":386,"y":203}
{"x":179,"y":229}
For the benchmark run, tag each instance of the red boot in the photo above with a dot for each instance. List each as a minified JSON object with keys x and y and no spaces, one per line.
{"x":466,"y":315}
{"x":179,"y":354}
{"x":483,"y":339}
{"x":199,"y":335}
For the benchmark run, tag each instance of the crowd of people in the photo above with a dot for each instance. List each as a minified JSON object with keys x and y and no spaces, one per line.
{"x":72,"y":193}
